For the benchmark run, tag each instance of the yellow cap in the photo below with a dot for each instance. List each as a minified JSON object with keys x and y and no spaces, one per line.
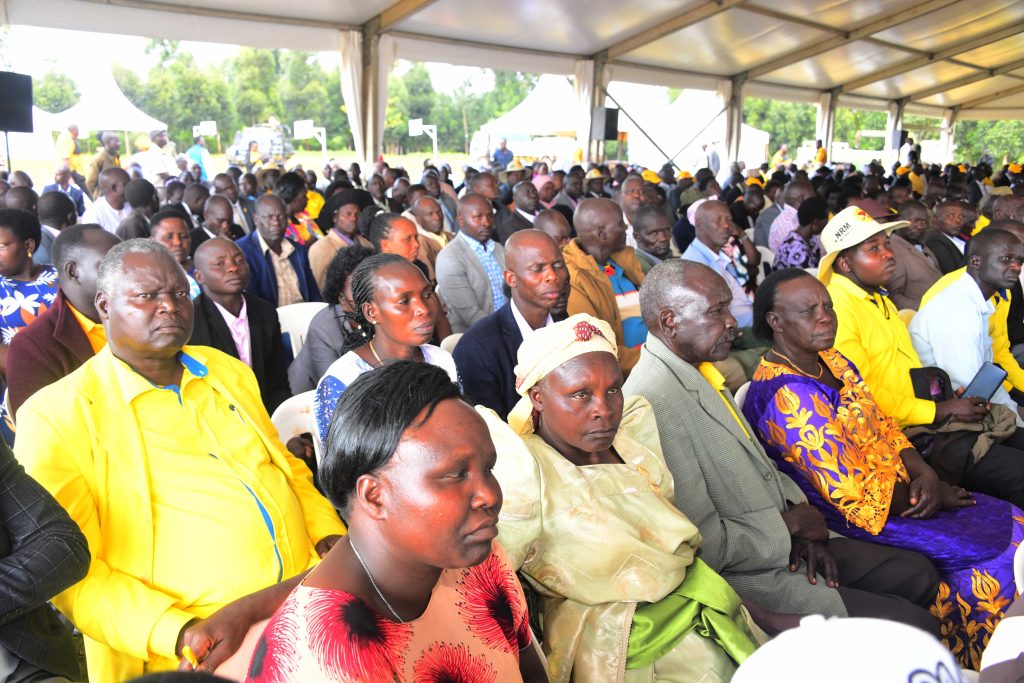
{"x":1015,"y":168}
{"x":685,"y":175}
{"x":903,"y":170}
{"x":650,"y":176}
{"x":755,"y":181}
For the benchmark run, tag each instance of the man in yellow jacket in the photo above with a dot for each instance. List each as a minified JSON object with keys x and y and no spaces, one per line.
{"x":165,"y":457}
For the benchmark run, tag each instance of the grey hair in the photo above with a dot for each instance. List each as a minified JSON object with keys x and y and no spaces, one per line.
{"x":112,"y":268}
{"x":659,"y":284}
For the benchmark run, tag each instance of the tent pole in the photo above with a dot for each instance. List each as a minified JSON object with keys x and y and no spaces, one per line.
{"x":639,"y":128}
{"x":7,"y":144}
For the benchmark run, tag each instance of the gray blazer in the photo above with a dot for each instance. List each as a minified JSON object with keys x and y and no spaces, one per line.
{"x":727,"y":485}
{"x":463,"y":285}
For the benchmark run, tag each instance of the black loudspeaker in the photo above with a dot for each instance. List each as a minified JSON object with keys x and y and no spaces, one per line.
{"x":604,"y":125}
{"x":15,"y":102}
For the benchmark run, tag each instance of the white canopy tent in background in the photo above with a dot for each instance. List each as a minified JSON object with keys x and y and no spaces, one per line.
{"x":949,"y":59}
{"x":104,"y":107}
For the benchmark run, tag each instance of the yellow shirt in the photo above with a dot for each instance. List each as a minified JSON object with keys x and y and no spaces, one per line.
{"x":1001,"y":354}
{"x":186,"y":504}
{"x":94,"y":332}
{"x":314,"y":202}
{"x":872,"y":335}
{"x":66,"y":150}
{"x":980,"y":224}
{"x":717,"y":382}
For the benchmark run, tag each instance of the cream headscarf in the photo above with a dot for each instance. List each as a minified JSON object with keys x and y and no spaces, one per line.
{"x":550,"y":347}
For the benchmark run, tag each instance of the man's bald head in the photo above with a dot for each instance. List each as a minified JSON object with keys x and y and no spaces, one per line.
{"x":535,"y":273}
{"x":1005,"y":205}
{"x":428,"y":214}
{"x":797,"y":192}
{"x":113,"y":180}
{"x":1015,"y":228}
{"x":20,"y":179}
{"x":24,"y":198}
{"x":554,"y":224}
{"x":600,"y":226}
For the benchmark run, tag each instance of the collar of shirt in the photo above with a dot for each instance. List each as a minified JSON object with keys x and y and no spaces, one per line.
{"x":717,"y":382}
{"x":133,"y":384}
{"x":286,"y":247}
{"x":880,"y":299}
{"x":51,"y":231}
{"x":649,"y":255}
{"x":442,"y":239}
{"x":485,"y":249}
{"x":230,"y":318}
{"x":966,"y":284}
{"x":524,"y":327}
{"x":528,"y":216}
{"x":716,"y":256}
{"x":339,"y":236}
{"x":957,"y":242}
{"x":94,"y":332}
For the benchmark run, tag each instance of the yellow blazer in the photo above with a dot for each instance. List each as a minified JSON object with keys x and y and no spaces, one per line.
{"x":81,"y":441}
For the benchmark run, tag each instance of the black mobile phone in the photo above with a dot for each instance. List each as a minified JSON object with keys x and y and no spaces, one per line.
{"x":986,"y":382}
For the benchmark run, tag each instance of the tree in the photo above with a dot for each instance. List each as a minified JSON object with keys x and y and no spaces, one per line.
{"x":302,"y":91}
{"x":55,"y":92}
{"x":254,"y":77}
{"x":788,"y":123}
{"x":1003,"y":140}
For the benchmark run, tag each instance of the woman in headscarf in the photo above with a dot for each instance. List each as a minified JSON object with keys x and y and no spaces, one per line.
{"x":418,"y":590}
{"x":819,"y":422}
{"x":589,"y":519}
{"x":393,"y":318}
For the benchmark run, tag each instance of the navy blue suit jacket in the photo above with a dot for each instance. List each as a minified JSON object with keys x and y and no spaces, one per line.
{"x":73,"y":192}
{"x":486,"y":359}
{"x":263,"y":279}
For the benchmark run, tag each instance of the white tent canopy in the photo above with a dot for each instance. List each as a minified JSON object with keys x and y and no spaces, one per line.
{"x":952,"y":59}
{"x":104,"y":107}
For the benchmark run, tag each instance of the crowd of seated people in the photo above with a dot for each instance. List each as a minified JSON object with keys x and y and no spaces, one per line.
{"x":527,"y":454}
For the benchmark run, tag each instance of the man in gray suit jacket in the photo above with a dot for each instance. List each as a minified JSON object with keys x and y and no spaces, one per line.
{"x":758,"y":531}
{"x":470,"y":270}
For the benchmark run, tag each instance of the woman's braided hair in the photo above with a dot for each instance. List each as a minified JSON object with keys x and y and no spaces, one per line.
{"x":362,"y":293}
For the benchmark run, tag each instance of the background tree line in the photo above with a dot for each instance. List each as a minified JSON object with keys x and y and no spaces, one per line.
{"x":289,"y":85}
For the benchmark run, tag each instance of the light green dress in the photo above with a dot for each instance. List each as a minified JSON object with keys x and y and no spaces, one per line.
{"x":595,"y":541}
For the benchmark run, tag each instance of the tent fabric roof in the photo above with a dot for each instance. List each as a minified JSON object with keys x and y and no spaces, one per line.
{"x":104,"y":107}
{"x":932,"y":54}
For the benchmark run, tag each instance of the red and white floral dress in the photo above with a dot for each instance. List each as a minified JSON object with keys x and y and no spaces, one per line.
{"x":472,"y":630}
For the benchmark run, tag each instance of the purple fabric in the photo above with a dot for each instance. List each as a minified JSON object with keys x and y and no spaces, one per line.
{"x":973,"y":548}
{"x":796,"y":252}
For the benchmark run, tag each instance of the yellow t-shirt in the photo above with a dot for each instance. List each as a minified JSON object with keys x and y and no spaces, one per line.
{"x":717,"y":382}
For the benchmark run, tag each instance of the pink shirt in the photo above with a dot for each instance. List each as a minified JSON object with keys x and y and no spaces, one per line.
{"x":785,"y":223}
{"x":239,"y":328}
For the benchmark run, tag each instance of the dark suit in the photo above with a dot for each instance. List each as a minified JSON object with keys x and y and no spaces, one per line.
{"x":1015,"y":319}
{"x":263,"y":279}
{"x":42,"y":552}
{"x":486,"y":359}
{"x":266,"y":347}
{"x":75,"y":194}
{"x":52,"y":347}
{"x":136,"y":226}
{"x":513,"y":224}
{"x":945,"y":252}
{"x":248,"y":208}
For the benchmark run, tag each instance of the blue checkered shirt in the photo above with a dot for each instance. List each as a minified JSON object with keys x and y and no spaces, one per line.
{"x":495,"y":273}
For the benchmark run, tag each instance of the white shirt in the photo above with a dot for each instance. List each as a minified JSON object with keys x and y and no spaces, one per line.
{"x":951,"y":332}
{"x":524,"y":327}
{"x":55,"y":232}
{"x":957,"y":242}
{"x":528,"y":216}
{"x":236,"y":209}
{"x":104,"y":214}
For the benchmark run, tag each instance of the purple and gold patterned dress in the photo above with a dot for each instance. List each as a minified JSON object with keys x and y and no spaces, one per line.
{"x":845,"y":454}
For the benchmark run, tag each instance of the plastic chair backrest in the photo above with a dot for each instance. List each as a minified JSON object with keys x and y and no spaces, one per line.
{"x":295,"y":319}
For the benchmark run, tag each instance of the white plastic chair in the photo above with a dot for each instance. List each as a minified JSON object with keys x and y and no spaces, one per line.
{"x":741,"y":395}
{"x":448,"y":343}
{"x":767,"y":259}
{"x":1018,"y":568}
{"x":295,"y":320}
{"x":295,"y":417}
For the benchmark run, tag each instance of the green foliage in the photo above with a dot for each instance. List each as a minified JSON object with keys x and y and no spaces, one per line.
{"x":258,"y":84}
{"x":788,"y":123}
{"x":849,"y":123}
{"x":1003,"y":139}
{"x":55,"y":93}
{"x":457,"y":115}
